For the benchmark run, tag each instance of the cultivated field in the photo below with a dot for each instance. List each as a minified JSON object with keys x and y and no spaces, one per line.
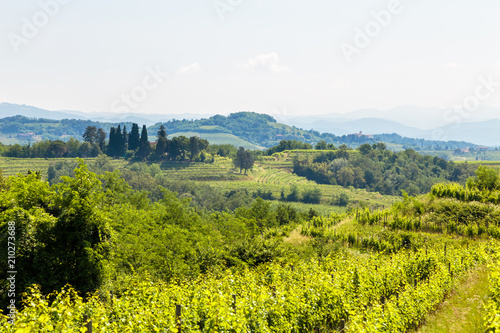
{"x":11,"y":166}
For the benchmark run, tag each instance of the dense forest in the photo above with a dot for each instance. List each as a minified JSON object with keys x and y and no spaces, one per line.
{"x":375,"y":168}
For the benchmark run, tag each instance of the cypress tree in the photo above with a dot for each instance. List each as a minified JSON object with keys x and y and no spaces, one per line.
{"x":161,"y":146}
{"x":144,"y":134}
{"x":145,"y":148}
{"x":112,"y":143}
{"x":101,"y":139}
{"x":118,"y":141}
{"x":134,"y":140}
{"x":162,"y":133}
{"x":124,"y":141}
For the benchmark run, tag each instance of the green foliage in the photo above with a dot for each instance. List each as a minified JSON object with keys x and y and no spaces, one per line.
{"x":312,"y":196}
{"x":198,"y":244}
{"x":244,"y":160}
{"x":289,"y":145}
{"x":377,"y":169}
{"x":357,"y":294}
{"x":341,"y":200}
{"x":493,"y":304}
{"x":61,"y":231}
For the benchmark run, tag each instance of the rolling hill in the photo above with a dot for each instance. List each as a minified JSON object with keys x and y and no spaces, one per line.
{"x":247,"y":129}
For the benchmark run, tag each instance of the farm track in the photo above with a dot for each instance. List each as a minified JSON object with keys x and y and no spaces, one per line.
{"x":463,"y":310}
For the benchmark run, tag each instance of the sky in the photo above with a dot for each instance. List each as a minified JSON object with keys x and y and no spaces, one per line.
{"x":292,"y":57}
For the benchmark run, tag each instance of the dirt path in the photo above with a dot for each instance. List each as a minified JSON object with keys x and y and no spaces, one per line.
{"x":463,"y":310}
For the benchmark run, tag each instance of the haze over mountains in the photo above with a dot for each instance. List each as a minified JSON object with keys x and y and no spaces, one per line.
{"x":479,"y":127}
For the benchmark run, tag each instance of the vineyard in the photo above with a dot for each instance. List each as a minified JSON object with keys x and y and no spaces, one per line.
{"x":351,"y":290}
{"x":270,"y":174}
{"x":266,"y":268}
{"x":11,"y":166}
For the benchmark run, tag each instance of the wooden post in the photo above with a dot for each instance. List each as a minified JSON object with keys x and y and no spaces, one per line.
{"x":234,"y":303}
{"x":111,"y":295}
{"x":88,"y":323}
{"x":445,"y":250}
{"x":178,"y":313}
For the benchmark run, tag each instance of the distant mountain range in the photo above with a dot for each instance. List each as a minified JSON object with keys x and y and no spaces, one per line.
{"x":10,"y":110}
{"x":482,"y":127}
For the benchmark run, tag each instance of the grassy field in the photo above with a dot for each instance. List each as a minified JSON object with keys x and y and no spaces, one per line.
{"x":220,"y":139}
{"x":11,"y":166}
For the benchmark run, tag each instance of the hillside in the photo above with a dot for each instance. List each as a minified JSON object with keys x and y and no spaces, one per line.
{"x":350,"y":270}
{"x":247,"y":129}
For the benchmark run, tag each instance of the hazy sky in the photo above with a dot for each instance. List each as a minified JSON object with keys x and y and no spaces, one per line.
{"x":272,"y":56}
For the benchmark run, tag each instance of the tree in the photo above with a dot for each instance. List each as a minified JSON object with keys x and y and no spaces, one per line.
{"x":115,"y":141}
{"x":341,"y":200}
{"x":134,"y":140}
{"x":144,"y":150}
{"x":101,"y":139}
{"x":73,"y":145}
{"x":294,"y":195}
{"x":312,"y":196}
{"x":90,"y":135}
{"x":321,"y":145}
{"x":84,"y":150}
{"x":162,"y":133}
{"x":118,"y":141}
{"x":145,"y":147}
{"x":380,"y":146}
{"x":161,"y":146}
{"x":111,"y":151}
{"x":56,"y":148}
{"x":486,"y":178}
{"x":63,"y":231}
{"x":124,"y":141}
{"x":286,"y":214}
{"x":365,"y":148}
{"x":345,"y":176}
{"x":81,"y":235}
{"x":244,"y":160}
{"x":194,"y":147}
{"x":144,"y":134}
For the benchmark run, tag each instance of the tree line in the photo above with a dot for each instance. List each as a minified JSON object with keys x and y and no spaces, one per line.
{"x":377,"y":169}
{"x":134,"y":144}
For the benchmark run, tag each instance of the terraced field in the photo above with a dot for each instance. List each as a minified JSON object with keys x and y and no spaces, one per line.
{"x":221,"y":170}
{"x":270,"y":174}
{"x":11,"y":166}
